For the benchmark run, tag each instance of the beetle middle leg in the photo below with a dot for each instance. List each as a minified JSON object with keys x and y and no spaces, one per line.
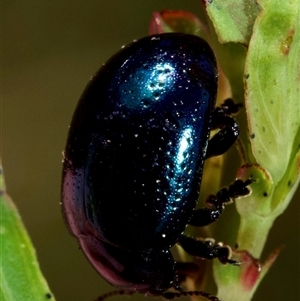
{"x":205,"y":216}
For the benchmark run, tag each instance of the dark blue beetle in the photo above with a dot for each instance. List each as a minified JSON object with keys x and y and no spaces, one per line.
{"x":134,"y":159}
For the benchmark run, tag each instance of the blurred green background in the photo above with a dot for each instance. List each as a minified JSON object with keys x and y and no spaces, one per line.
{"x":50,"y":49}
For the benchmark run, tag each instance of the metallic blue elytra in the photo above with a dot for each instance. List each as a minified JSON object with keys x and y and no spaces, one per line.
{"x":134,"y":158}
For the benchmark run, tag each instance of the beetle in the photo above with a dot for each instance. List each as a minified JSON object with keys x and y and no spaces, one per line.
{"x":134,"y":159}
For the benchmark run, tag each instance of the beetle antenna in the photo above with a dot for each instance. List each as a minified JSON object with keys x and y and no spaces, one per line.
{"x":172,"y":295}
{"x":114,"y":293}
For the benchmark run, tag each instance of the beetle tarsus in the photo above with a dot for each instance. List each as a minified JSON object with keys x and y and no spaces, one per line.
{"x":205,"y":216}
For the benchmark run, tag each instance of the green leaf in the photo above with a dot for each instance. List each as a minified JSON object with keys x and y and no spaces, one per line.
{"x":21,"y":278}
{"x":272,"y":86}
{"x":233,"y":20}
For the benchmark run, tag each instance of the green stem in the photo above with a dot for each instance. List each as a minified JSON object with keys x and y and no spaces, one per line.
{"x":253,"y":233}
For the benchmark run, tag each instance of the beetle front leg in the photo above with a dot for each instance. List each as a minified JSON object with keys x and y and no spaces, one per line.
{"x":205,"y":216}
{"x":206,"y":249}
{"x":229,"y":129}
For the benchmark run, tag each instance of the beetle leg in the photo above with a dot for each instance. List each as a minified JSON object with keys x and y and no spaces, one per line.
{"x":225,"y":138}
{"x":205,"y":216}
{"x":230,"y":107}
{"x":206,"y":249}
